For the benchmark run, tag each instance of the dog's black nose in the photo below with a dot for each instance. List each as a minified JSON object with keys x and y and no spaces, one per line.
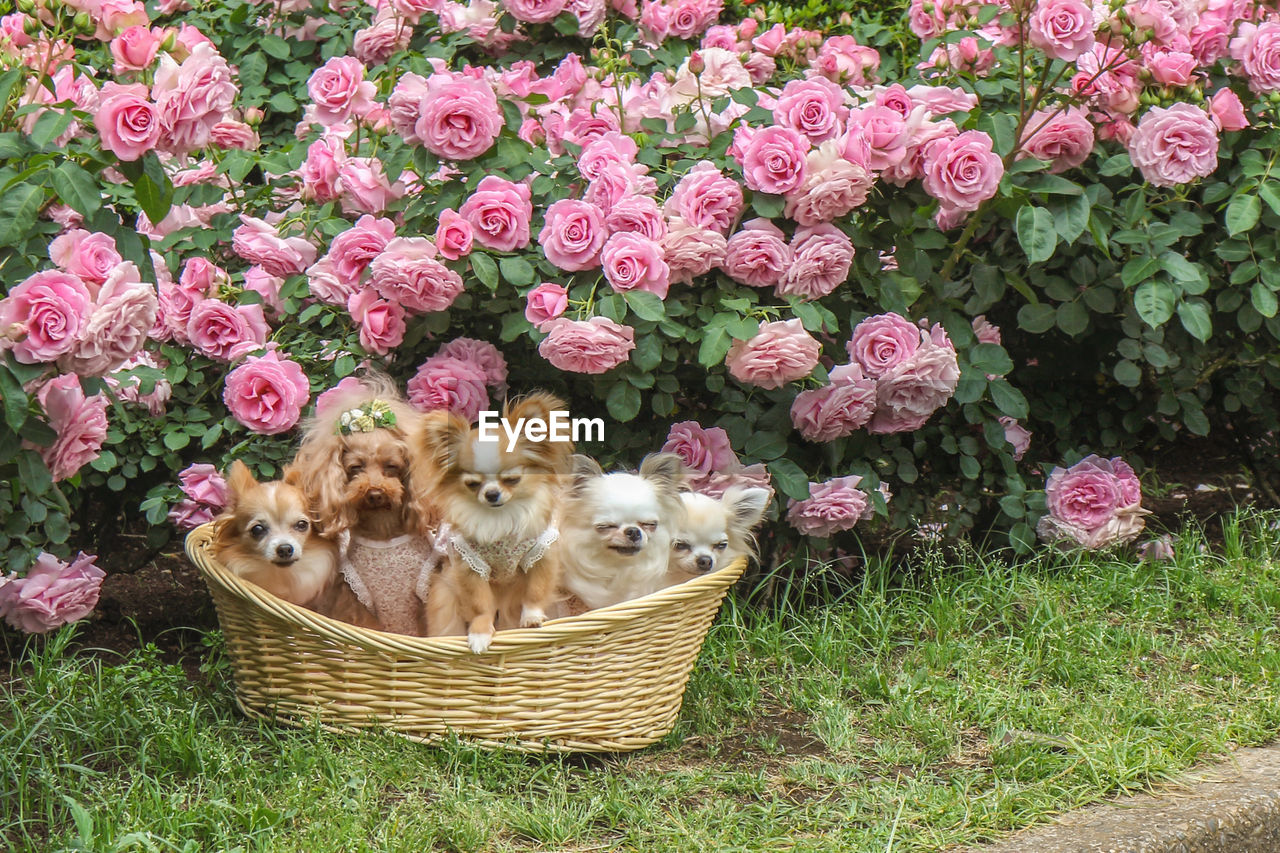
{"x":284,"y":552}
{"x":492,"y":496}
{"x":704,"y":564}
{"x":634,"y":534}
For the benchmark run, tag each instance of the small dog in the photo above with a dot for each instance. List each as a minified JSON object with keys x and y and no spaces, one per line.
{"x":356,"y":465}
{"x":498,"y":508}
{"x":715,"y":532}
{"x":618,"y":529}
{"x":267,"y":537}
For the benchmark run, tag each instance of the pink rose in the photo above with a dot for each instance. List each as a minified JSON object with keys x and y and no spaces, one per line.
{"x":1227,"y":111}
{"x":985,"y":331}
{"x":884,"y":134}
{"x":202,"y":483}
{"x":545,"y":302}
{"x":52,"y":594}
{"x":453,"y":235}
{"x":188,"y":514}
{"x":381,"y":322}
{"x":325,"y":401}
{"x":482,"y":354}
{"x":833,"y":187}
{"x":201,"y":277}
{"x":267,"y":393}
{"x":365,"y":187}
{"x":234,"y":134}
{"x":911,"y":391}
{"x":1065,"y":138}
{"x":781,"y":352}
{"x":1171,"y":68}
{"x":407,"y":273}
{"x":573,"y":234}
{"x":324,"y":284}
{"x":692,"y":251}
{"x":638,"y":213}
{"x":320,"y":171}
{"x":192,"y":97}
{"x":353,"y":250}
{"x":128,"y":124}
{"x":225,"y":332}
{"x":706,"y":198}
{"x":634,"y":262}
{"x":758,"y":255}
{"x":338,"y":90}
{"x":1017,"y":435}
{"x":1174,"y":145}
{"x":1257,"y":48}
{"x":449,"y":383}
{"x":831,"y":507}
{"x":835,"y":410}
{"x":534,"y":11}
{"x":586,"y":346}
{"x":499,"y":212}
{"x":52,"y":308}
{"x":608,"y":148}
{"x":813,"y":107}
{"x":774,"y":160}
{"x":79,"y":421}
{"x":1063,"y":29}
{"x":385,"y":37}
{"x":821,"y":257}
{"x":963,"y":172}
{"x":616,"y":182}
{"x":259,"y":243}
{"x":117,"y":329}
{"x":881,"y":343}
{"x":135,"y":48}
{"x":704,"y":450}
{"x":1095,"y":502}
{"x":458,"y":118}
{"x":1157,"y":550}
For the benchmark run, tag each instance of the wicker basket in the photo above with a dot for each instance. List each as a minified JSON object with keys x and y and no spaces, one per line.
{"x":608,"y":680}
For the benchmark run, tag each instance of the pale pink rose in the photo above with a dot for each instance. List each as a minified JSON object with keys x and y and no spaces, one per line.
{"x":632,"y":261}
{"x":326,"y":400}
{"x":499,"y":212}
{"x":720,"y":72}
{"x":117,"y":328}
{"x":202,"y":277}
{"x":259,"y":243}
{"x":894,"y":97}
{"x":586,"y":346}
{"x":985,"y":331}
{"x":449,"y":383}
{"x":338,"y":90}
{"x":453,"y":235}
{"x":590,"y":15}
{"x":781,"y":352}
{"x":909,"y":393}
{"x":202,"y":483}
{"x":701,"y":449}
{"x":365,"y":188}
{"x":611,"y":147}
{"x":224,"y":332}
{"x":114,"y":16}
{"x":1063,"y":29}
{"x":1210,"y":38}
{"x":1171,"y":68}
{"x":573,"y":234}
{"x":706,"y":198}
{"x":458,"y":117}
{"x":79,"y":421}
{"x":52,"y":308}
{"x":91,"y":257}
{"x":1065,"y":138}
{"x":1017,"y":435}
{"x":353,"y":250}
{"x":192,"y":97}
{"x":831,"y":507}
{"x":691,"y":251}
{"x":52,"y":594}
{"x":714,"y":485}
{"x":1158,"y":550}
{"x":266,"y":285}
{"x":638,"y":213}
{"x":833,"y":187}
{"x":963,"y":172}
{"x":691,"y":17}
{"x":188,"y":514}
{"x":381,"y":40}
{"x":1109,"y":79}
{"x":821,"y":257}
{"x":135,"y":48}
{"x":1175,"y":145}
{"x":835,"y":410}
{"x":941,"y":100}
{"x":320,"y":171}
{"x":774,"y":160}
{"x":128,"y":123}
{"x":266,"y":393}
{"x":842,"y":60}
{"x":381,"y":322}
{"x":534,"y":11}
{"x":174,"y":312}
{"x":1227,"y":111}
{"x":881,"y":343}
{"x":407,"y":273}
{"x":586,"y":124}
{"x":618,"y":181}
{"x":1095,"y":502}
{"x":770,"y":42}
{"x":758,"y":255}
{"x":545,"y":302}
{"x":324,"y":284}
{"x":913,"y":162}
{"x":879,"y":131}
{"x":482,"y":354}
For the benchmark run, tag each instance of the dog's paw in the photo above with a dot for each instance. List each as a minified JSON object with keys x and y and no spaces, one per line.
{"x":479,"y":642}
{"x":532,"y":617}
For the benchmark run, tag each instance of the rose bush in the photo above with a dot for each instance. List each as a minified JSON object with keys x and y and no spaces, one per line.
{"x":1043,"y":228}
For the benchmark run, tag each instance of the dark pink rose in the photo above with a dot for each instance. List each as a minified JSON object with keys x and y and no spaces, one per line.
{"x":534,"y":11}
{"x":259,"y":243}
{"x":1063,"y":29}
{"x":482,"y":354}
{"x":381,"y":322}
{"x":52,"y":308}
{"x":573,"y":234}
{"x":781,"y":352}
{"x":453,"y":235}
{"x":1227,"y":111}
{"x":963,"y":172}
{"x":758,"y":255}
{"x":338,"y":90}
{"x":545,"y":302}
{"x":128,"y":123}
{"x":774,"y":160}
{"x":458,"y":117}
{"x":831,"y":507}
{"x":267,"y":393}
{"x":449,"y":383}
{"x":821,"y":257}
{"x":813,"y":107}
{"x":634,"y":262}
{"x":835,"y":410}
{"x":91,"y":257}
{"x":638,"y":213}
{"x":79,"y":421}
{"x":706,"y":198}
{"x":202,"y":483}
{"x":586,"y":346}
{"x":499,"y":212}
{"x":407,"y":273}
{"x":1175,"y":145}
{"x":1096,"y":503}
{"x":225,"y":332}
{"x":52,"y":594}
{"x":353,"y":250}
{"x":705,"y":450}
{"x":881,"y":343}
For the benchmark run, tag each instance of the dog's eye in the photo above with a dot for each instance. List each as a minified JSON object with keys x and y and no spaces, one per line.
{"x":392,"y":469}
{"x":511,"y":481}
{"x":258,"y":531}
{"x":650,"y":526}
{"x":301,"y":525}
{"x":605,"y":528}
{"x":353,"y":470}
{"x":472,"y":482}
{"x":720,"y":546}
{"x":683,"y":546}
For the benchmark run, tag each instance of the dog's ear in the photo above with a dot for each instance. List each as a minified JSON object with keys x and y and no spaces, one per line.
{"x":745,"y":507}
{"x":239,"y":481}
{"x":665,"y":470}
{"x":318,"y":471}
{"x":440,"y":439}
{"x":539,"y":404}
{"x":582,"y":470}
{"x":554,"y":455}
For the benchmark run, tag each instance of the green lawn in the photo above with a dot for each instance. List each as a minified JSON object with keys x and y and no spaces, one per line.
{"x":950,"y":705}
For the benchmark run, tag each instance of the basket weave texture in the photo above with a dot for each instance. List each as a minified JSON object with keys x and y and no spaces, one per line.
{"x":609,"y":680}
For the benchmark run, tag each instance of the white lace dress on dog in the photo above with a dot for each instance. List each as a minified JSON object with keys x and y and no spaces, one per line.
{"x":496,"y":560}
{"x":390,"y":577}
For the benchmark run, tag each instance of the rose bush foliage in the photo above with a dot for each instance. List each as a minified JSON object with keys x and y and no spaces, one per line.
{"x":863,"y":272}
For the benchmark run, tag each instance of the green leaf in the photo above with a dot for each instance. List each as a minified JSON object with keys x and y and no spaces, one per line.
{"x":176,"y":439}
{"x":18,"y":213}
{"x":715,"y":345}
{"x":623,"y":401}
{"x":344,"y":365}
{"x":1070,"y":217}
{"x":1180,"y":268}
{"x":1036,"y":233}
{"x":50,"y":126}
{"x":566,"y":24}
{"x":645,"y":305}
{"x":485,"y":269}
{"x":33,"y":473}
{"x":1008,"y":400}
{"x":765,"y":445}
{"x":768,"y":206}
{"x":1127,"y":373}
{"x":648,"y":353}
{"x":154,"y":198}
{"x":1195,"y":319}
{"x":1263,"y":299}
{"x":1243,"y":213}
{"x":1013,"y":506}
{"x":1022,"y":536}
{"x":1118,"y":164}
{"x":76,"y":187}
{"x":990,"y":358}
{"x":1139,"y":269}
{"x":1037,"y":318}
{"x":1268,"y":193}
{"x":790,"y":479}
{"x":275,"y":46}
{"x":1073,"y":317}
{"x":15,"y":400}
{"x":518,"y":271}
{"x":1154,"y":301}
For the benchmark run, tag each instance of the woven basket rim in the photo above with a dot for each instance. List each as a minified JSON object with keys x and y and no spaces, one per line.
{"x":199,"y":549}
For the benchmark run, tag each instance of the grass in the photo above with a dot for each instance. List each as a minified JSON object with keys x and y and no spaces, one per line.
{"x":962,"y":700}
